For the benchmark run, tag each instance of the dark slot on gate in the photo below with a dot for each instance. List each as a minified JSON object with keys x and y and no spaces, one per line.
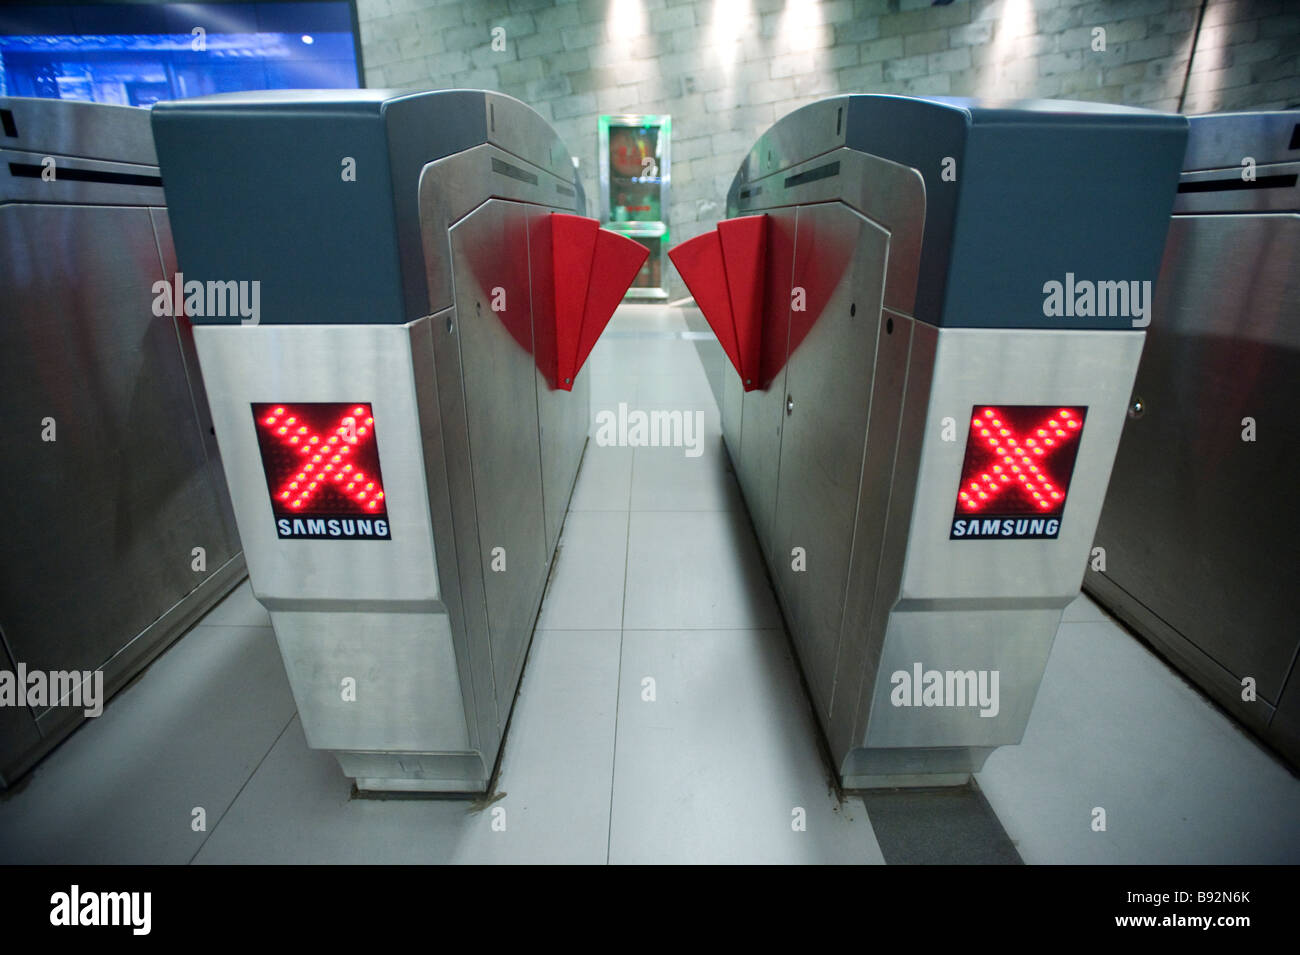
{"x":1280,"y":181}
{"x":756,"y":191}
{"x":563,"y":189}
{"x":28,"y":170}
{"x":514,"y":172}
{"x":7,"y":120}
{"x":827,"y":171}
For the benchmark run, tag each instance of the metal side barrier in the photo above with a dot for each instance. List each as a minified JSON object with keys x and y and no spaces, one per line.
{"x":1199,"y":529}
{"x":403,"y":419}
{"x":935,"y":311}
{"x":118,"y":533}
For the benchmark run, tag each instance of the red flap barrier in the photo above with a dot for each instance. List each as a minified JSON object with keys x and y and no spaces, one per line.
{"x":724,"y":271}
{"x":593,"y":269}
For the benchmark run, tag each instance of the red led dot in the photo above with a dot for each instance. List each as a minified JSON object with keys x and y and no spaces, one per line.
{"x":296,"y":504}
{"x":358,"y":410}
{"x":290,"y":420}
{"x":1072,"y":424}
{"x":270,"y":420}
{"x":370,"y":421}
{"x":379,"y":496}
{"x":278,"y":411}
{"x":302,"y":430}
{"x":361,"y":495}
{"x":281,"y":430}
{"x":372,"y":505}
{"x":1063,"y":413}
{"x":988,"y":414}
{"x":294,"y":439}
{"x":285,"y":496}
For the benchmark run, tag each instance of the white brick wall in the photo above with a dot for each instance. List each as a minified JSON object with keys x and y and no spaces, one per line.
{"x":561,"y":60}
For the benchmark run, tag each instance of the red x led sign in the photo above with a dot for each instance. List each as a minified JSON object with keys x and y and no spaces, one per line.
{"x":1017,"y":470}
{"x":322,"y":470}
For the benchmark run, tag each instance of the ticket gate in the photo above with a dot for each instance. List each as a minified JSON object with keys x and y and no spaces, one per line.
{"x":1197,"y":531}
{"x":405,"y":291}
{"x":935,"y":311}
{"x":120,"y":534}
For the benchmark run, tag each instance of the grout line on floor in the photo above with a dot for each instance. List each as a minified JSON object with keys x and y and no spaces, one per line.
{"x":269,"y":749}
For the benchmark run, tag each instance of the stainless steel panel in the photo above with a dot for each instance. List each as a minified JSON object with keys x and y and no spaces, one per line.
{"x":489,"y":253}
{"x":112,"y":509}
{"x":861,"y":628}
{"x":1221,"y":141}
{"x":198,"y":394}
{"x":889,"y":194}
{"x":1284,"y":732}
{"x":461,"y":516}
{"x":1014,"y":644}
{"x":85,"y":130}
{"x":1231,"y":197}
{"x":19,"y":737}
{"x":66,"y":190}
{"x":1061,"y":367}
{"x":407,"y":685}
{"x":868,"y":607}
{"x":452,"y":188}
{"x":325,"y":363}
{"x":840,"y":259}
{"x":1199,"y":528}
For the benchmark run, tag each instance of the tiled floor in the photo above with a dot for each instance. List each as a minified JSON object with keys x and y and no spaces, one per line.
{"x":660,"y":718}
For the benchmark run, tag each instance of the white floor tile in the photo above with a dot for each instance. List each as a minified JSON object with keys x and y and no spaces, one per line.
{"x":720,"y":765}
{"x":554,"y":787}
{"x":186,"y":735}
{"x":696,"y":570}
{"x":605,"y":480}
{"x":667,"y":479}
{"x":1113,"y":727}
{"x":239,"y":609}
{"x":586,"y":587}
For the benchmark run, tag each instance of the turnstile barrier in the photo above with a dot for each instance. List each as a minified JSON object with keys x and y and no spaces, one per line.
{"x":935,"y":309}
{"x":403,"y":422}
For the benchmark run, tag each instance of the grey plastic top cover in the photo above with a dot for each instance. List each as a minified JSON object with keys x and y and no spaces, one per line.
{"x":314,"y":193}
{"x":1018,"y":194}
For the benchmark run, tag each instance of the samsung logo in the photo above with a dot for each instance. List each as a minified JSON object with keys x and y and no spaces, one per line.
{"x":1011,"y":528}
{"x":324,"y":528}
